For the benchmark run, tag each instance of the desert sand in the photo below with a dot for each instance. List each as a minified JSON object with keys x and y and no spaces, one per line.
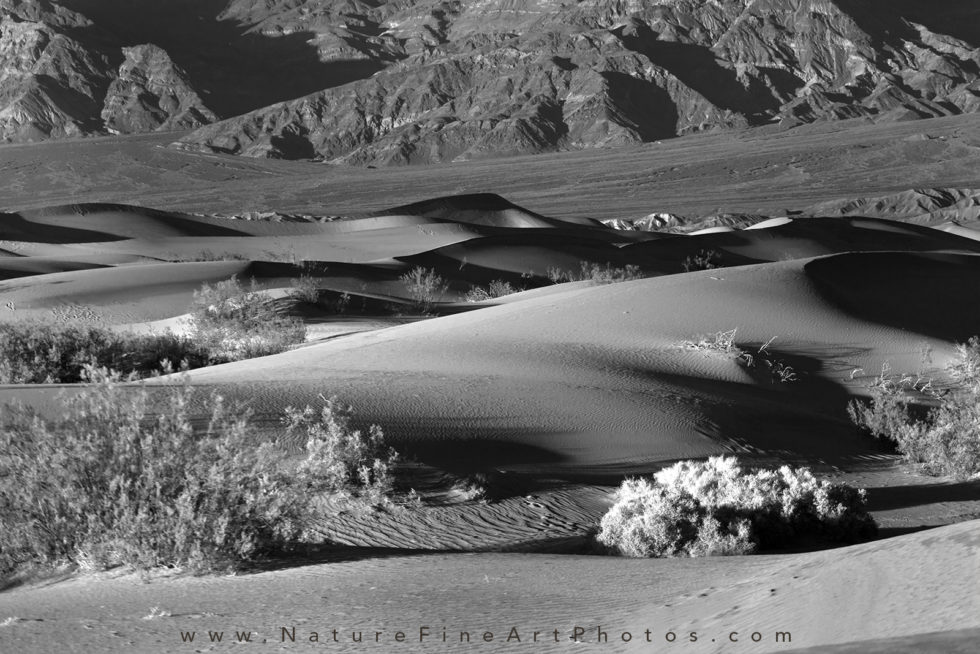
{"x":552,"y":395}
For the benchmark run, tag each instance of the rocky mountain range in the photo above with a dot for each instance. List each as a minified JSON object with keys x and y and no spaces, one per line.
{"x":419,"y":81}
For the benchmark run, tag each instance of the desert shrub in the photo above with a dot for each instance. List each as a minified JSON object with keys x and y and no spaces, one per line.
{"x":345,"y":461}
{"x":424,"y":287}
{"x":126,"y":477}
{"x":306,"y":288}
{"x":233,"y":322}
{"x":703,"y":260}
{"x":945,"y":438}
{"x":724,"y":343}
{"x":559,"y":275}
{"x":342,"y":301}
{"x":496,"y":288}
{"x":595,"y":272}
{"x":609,"y":274}
{"x":716,"y":508}
{"x":39,"y":352}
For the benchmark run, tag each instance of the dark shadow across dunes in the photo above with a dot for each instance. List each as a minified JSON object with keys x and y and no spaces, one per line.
{"x":14,"y":227}
{"x":120,"y":221}
{"x":899,"y":497}
{"x":940,"y":293}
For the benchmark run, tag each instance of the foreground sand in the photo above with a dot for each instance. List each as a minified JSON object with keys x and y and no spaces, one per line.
{"x":892,"y":588}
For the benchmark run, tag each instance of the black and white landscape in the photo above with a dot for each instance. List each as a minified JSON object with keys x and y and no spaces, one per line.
{"x":628,"y":326}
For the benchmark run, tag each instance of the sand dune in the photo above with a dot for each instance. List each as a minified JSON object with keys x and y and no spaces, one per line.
{"x":574,"y":380}
{"x":484,"y":209}
{"x":553,"y":394}
{"x":121,"y":221}
{"x":25,"y":266}
{"x":594,"y":380}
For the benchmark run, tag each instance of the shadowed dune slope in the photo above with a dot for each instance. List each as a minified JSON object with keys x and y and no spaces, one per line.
{"x":123,"y":221}
{"x":531,"y":252}
{"x":26,"y":266}
{"x":594,"y":380}
{"x":937,"y":295}
{"x":536,"y":251}
{"x":484,"y":209}
{"x":795,"y":239}
{"x":482,"y":230}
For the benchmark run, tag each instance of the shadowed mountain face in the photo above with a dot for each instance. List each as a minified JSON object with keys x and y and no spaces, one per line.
{"x":80,"y":67}
{"x":418,"y":81}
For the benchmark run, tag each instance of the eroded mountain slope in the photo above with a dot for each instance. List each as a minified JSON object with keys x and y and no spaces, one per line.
{"x":417,"y":81}
{"x":504,"y":77}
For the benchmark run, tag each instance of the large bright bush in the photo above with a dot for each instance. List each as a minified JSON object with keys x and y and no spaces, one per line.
{"x":716,"y":507}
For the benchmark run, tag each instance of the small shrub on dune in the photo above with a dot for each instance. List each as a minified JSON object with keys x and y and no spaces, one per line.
{"x":703,"y":260}
{"x":944,"y":440}
{"x":306,"y":288}
{"x":424,"y":287}
{"x":53,"y":353}
{"x":233,"y":322}
{"x":724,"y":343}
{"x":495,"y":289}
{"x":716,"y":508}
{"x":126,"y":477}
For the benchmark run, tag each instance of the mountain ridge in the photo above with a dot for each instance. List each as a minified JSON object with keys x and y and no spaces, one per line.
{"x":371,"y":82}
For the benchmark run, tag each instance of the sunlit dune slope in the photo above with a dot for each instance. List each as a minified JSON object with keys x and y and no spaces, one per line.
{"x":595,"y":379}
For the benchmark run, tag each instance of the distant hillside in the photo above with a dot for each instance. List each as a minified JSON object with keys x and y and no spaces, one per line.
{"x":419,"y":81}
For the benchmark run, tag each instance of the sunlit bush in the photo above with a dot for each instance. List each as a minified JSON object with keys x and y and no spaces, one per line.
{"x":496,"y":288}
{"x":425,"y":287}
{"x":125,"y":476}
{"x":38,"y":352}
{"x":596,"y":272}
{"x":717,"y":508}
{"x":233,"y":322}
{"x":945,"y":439}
